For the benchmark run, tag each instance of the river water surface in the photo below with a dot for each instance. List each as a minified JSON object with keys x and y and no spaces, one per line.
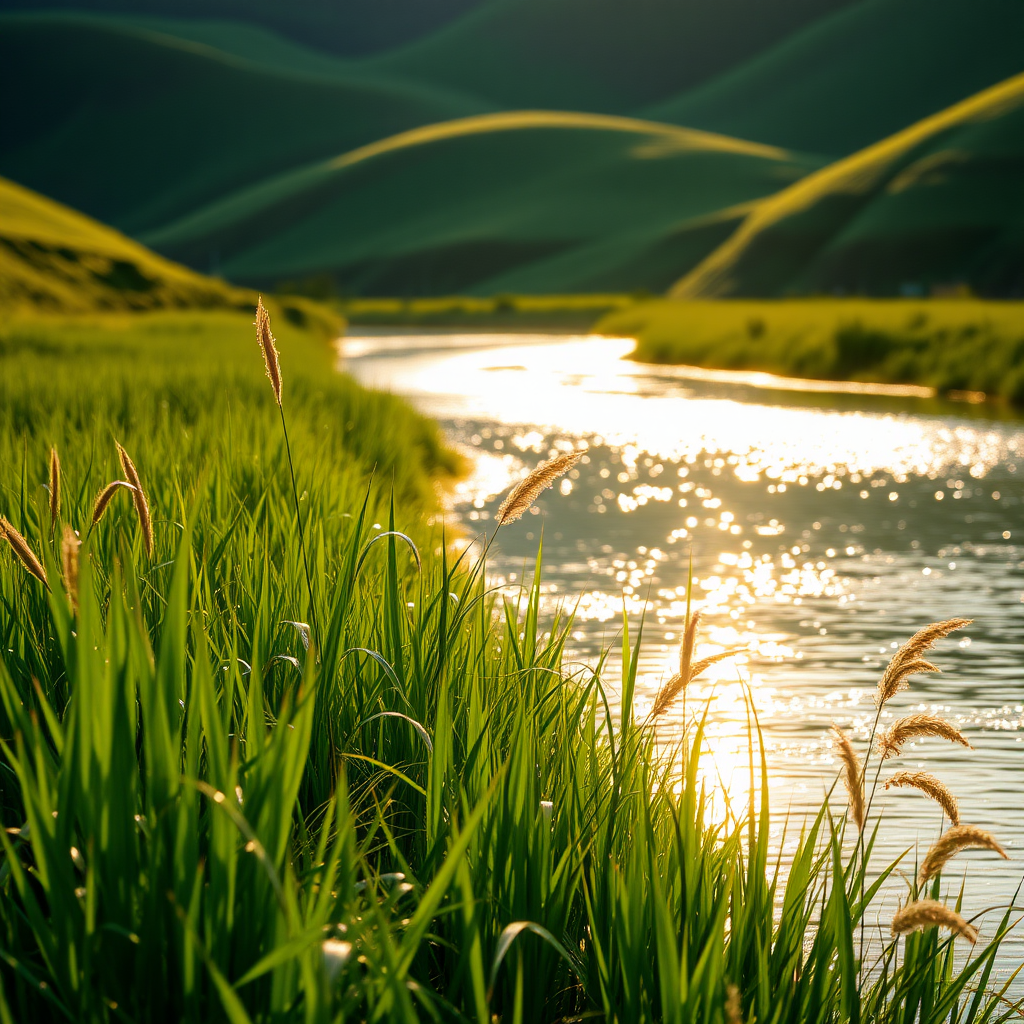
{"x":824,"y":527}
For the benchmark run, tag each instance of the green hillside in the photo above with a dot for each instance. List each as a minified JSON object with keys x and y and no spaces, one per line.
{"x":460,"y":206}
{"x":136,"y":127}
{"x":351,"y":27}
{"x":53,"y":259}
{"x":859,"y":75}
{"x":612,"y":56}
{"x":937,"y":207}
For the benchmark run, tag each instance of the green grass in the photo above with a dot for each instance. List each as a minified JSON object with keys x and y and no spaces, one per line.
{"x":54,"y":261}
{"x":508,"y":311}
{"x":858,"y":75}
{"x":934,"y":207}
{"x":516,"y":202}
{"x":953,"y":345}
{"x":435,"y":818}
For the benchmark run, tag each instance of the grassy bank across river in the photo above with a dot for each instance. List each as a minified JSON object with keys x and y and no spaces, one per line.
{"x":952,"y":345}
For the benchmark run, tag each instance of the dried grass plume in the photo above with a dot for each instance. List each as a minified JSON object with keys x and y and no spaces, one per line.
{"x":733,"y":1007}
{"x":22,"y":551}
{"x":54,"y":489}
{"x":139,"y":497}
{"x":103,"y":499}
{"x":922,"y":914}
{"x":853,"y":776}
{"x":688,"y":669}
{"x":930,"y":786}
{"x":903,"y":730}
{"x":950,"y":843}
{"x":69,"y":547}
{"x":266,"y":340}
{"x":908,"y":660}
{"x":525,"y":493}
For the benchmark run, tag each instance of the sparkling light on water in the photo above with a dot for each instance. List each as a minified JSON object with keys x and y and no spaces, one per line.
{"x":824,"y":528}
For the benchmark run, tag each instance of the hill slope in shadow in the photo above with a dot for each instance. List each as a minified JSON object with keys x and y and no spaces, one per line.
{"x":859,"y":75}
{"x":938,"y":206}
{"x":137,"y":127}
{"x":459,"y":207}
{"x":609,"y":56}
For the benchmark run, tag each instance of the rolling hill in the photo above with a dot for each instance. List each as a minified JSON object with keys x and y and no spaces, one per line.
{"x":859,"y":75}
{"x":936,"y":207}
{"x":610,"y":56}
{"x":154,"y":125}
{"x":471,"y":205}
{"x":348,"y":28}
{"x":54,"y":259}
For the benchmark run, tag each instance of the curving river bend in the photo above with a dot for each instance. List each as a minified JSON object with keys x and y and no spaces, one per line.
{"x":824,"y":528}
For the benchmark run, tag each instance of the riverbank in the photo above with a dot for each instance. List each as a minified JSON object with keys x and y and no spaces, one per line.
{"x":497,"y":312}
{"x":966,"y":346}
{"x":270,"y":754}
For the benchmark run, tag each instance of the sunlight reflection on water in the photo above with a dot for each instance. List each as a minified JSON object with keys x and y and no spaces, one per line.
{"x":824,"y":529}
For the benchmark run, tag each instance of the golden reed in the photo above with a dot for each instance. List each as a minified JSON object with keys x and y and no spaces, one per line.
{"x":922,"y":914}
{"x":908,"y":661}
{"x":22,"y":551}
{"x":266,"y":339}
{"x":950,"y":843}
{"x":688,"y":669}
{"x":890,"y":744}
{"x":853,"y":776}
{"x":103,"y":499}
{"x":54,"y":489}
{"x":930,"y":786}
{"x":69,"y":547}
{"x":139,"y":497}
{"x":525,"y":493}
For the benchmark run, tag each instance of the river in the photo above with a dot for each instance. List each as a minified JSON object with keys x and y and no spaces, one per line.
{"x":824,"y":528}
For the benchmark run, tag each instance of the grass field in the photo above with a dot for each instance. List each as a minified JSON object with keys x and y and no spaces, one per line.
{"x":953,"y":345}
{"x":554,"y":312}
{"x":424,"y":814}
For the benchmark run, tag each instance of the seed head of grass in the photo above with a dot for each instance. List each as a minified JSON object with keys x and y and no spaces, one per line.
{"x":922,"y":914}
{"x":54,"y":489}
{"x":69,"y":546}
{"x":950,"y":843}
{"x":269,"y":349}
{"x":22,"y":551}
{"x":853,"y":776}
{"x":688,"y":669}
{"x":908,"y":660}
{"x":930,"y":786}
{"x":525,"y":493}
{"x":103,"y":499}
{"x":139,"y":497}
{"x":733,"y":1006}
{"x":890,"y":744}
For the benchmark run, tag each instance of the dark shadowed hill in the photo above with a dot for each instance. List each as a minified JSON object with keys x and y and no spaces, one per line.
{"x":936,"y":207}
{"x":860,"y":75}
{"x":552,"y":201}
{"x":137,"y":127}
{"x":597,"y":55}
{"x":346,"y":27}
